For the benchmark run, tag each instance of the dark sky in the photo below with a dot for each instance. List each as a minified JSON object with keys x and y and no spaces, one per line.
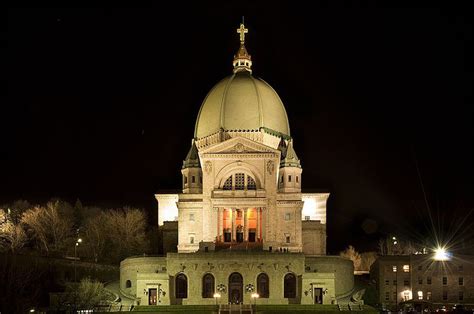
{"x":101,"y":104}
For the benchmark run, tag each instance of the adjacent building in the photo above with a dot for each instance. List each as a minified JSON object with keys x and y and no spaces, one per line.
{"x":424,"y":279}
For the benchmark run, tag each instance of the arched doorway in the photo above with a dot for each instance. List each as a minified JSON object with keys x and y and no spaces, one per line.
{"x":236,"y":288}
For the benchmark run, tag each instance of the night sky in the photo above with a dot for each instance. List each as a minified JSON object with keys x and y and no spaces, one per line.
{"x":101,"y":105}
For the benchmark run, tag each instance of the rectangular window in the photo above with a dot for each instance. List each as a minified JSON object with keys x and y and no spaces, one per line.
{"x":287,"y":239}
{"x":387,"y":295}
{"x":445,"y":295}
{"x":297,"y":179}
{"x":281,"y":179}
{"x":428,"y":295}
{"x":460,"y":268}
{"x":289,"y":178}
{"x":239,"y":214}
{"x":394,"y":296}
{"x":428,"y":280}
{"x":461,"y":281}
{"x":185,"y":180}
{"x":420,"y":280}
{"x":420,"y":295}
{"x":191,"y":239}
{"x":406,"y":282}
{"x":420,"y":267}
{"x":394,"y":282}
{"x":191,"y":217}
{"x":461,"y":295}
{"x":193,"y":179}
{"x":307,"y":217}
{"x":387,"y":282}
{"x":406,"y":268}
{"x":287,"y":216}
{"x":445,"y":281}
{"x":394,"y":268}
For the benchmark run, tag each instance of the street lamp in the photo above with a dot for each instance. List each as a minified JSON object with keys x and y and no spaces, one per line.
{"x":78,"y":241}
{"x":441,"y":254}
{"x":255,"y":296}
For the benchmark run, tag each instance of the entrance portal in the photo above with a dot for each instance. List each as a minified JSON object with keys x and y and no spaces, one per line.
{"x":318,"y":295}
{"x":252,"y":235}
{"x":240,"y":237}
{"x":236,"y":287}
{"x":152,"y":296}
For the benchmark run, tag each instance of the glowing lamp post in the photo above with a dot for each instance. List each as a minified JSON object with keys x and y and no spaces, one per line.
{"x":216,"y":296}
{"x":75,"y":256}
{"x":255,"y":296}
{"x":441,"y":254}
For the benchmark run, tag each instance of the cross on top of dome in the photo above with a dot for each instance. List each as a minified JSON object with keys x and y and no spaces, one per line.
{"x":242,"y":59}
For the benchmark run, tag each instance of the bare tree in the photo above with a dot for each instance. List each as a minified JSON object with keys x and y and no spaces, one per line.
{"x":95,"y":236}
{"x":12,"y":238}
{"x":353,"y":255}
{"x":51,"y":227}
{"x":367,"y":259}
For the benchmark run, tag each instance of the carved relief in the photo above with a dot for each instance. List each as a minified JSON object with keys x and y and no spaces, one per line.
{"x":208,"y":166}
{"x":239,"y":147}
{"x":270,"y":166}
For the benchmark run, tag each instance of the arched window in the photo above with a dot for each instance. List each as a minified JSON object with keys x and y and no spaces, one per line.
{"x":181,"y":286}
{"x":263,"y":285}
{"x":208,"y":286}
{"x":240,"y":181}
{"x":128,"y":284}
{"x":289,"y":285}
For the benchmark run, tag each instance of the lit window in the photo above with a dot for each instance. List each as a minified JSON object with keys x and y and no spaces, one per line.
{"x":287,"y":216}
{"x":406,"y":295}
{"x":420,"y":295}
{"x":461,"y":281}
{"x":428,"y":295}
{"x":394,"y":268}
{"x":239,"y":214}
{"x":445,"y":281}
{"x":191,"y":217}
{"x":406,"y":268}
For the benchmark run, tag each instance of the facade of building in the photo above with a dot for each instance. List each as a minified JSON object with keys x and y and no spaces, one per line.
{"x":423,"y":279}
{"x":244,"y":226}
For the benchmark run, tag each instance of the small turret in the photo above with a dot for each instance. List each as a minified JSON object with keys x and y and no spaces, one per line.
{"x":290,"y":170}
{"x":191,"y":170}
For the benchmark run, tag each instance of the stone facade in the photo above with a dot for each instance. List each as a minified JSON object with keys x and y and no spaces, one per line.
{"x":318,"y":279}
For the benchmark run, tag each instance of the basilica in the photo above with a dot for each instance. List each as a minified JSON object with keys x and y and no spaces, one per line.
{"x":245,"y":231}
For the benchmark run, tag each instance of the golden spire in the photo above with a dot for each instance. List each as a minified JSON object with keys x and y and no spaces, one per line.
{"x":242,"y":60}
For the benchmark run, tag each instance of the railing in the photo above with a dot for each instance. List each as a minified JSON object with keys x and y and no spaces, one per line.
{"x":236,"y":308}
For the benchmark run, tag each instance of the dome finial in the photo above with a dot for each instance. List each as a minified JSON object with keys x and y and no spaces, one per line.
{"x":242,"y":60}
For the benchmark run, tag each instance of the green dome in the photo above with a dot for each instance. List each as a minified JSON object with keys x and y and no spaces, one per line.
{"x":241,"y":102}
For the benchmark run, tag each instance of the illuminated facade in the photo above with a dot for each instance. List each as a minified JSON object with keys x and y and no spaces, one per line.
{"x":243,"y":225}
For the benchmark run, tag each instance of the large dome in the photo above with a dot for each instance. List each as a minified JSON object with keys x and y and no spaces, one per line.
{"x":241,"y":102}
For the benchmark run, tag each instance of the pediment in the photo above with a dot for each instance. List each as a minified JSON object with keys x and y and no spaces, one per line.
{"x":238,"y":145}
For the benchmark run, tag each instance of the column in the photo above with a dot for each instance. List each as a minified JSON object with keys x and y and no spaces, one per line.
{"x":219,"y":223}
{"x":234,"y":227}
{"x":246,"y":237}
{"x":264,"y":219}
{"x":258,"y":224}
